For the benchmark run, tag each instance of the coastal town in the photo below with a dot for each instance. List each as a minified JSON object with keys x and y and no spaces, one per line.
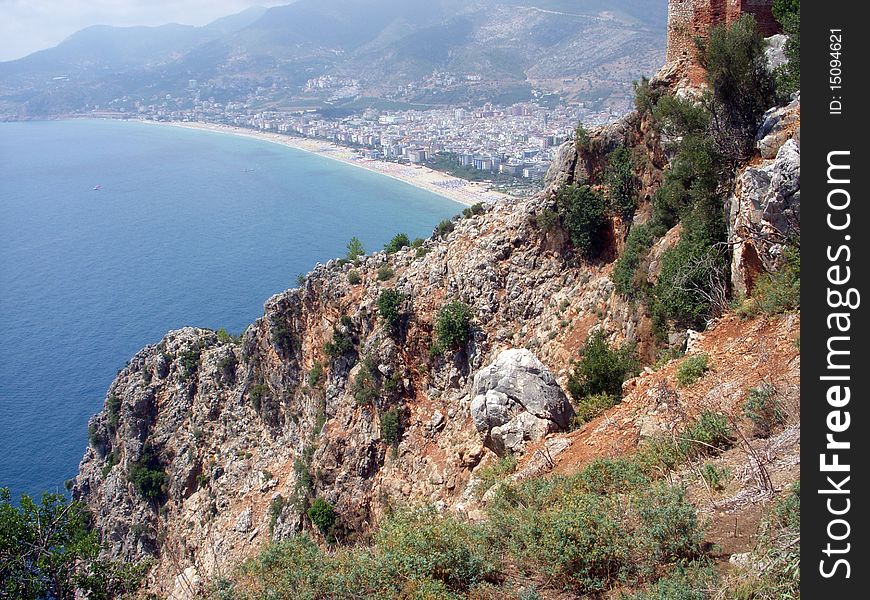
{"x":509,"y":147}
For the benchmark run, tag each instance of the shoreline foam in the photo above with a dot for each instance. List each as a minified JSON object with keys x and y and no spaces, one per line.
{"x":452,"y":188}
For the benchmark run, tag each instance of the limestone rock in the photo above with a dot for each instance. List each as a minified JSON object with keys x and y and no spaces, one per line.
{"x":516,"y":400}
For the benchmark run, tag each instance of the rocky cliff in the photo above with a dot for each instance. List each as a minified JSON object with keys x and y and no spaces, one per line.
{"x":209,"y":447}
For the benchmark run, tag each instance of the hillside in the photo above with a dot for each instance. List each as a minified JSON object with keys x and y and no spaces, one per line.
{"x":581,"y":49}
{"x":594,"y":390}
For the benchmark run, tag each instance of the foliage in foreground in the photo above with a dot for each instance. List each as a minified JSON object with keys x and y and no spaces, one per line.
{"x":601,"y":369}
{"x":48,"y":552}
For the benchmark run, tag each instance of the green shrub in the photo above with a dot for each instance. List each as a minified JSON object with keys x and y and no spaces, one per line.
{"x":355,"y":249}
{"x":548,"y":220}
{"x":496,"y":472}
{"x":322,"y":515}
{"x":629,"y":281}
{"x":715,"y":477}
{"x":473,"y":210}
{"x":692,"y":582}
{"x":452,"y":326}
{"x":315,"y":374}
{"x":582,"y":140}
{"x":622,"y":185}
{"x":257,"y":393}
{"x":340,"y":344}
{"x":421,"y":544}
{"x":276,"y":507}
{"x":612,"y":476}
{"x":788,"y":76}
{"x":601,"y":369}
{"x":391,"y":427}
{"x":148,"y":476}
{"x":49,"y":551}
{"x":226,"y":338}
{"x":693,"y":283}
{"x":390,"y":304}
{"x":353,"y":278}
{"x":385,"y":272}
{"x":584,"y":214}
{"x":692,"y":369}
{"x":282,"y":335}
{"x":780,"y":291}
{"x":764,"y":410}
{"x":590,"y":407}
{"x":366,"y":385}
{"x":706,"y":436}
{"x":444,"y":228}
{"x":113,"y":412}
{"x":742,"y":86}
{"x":399,"y":241}
{"x":189,"y":361}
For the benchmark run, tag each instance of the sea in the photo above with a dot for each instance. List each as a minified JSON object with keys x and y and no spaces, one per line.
{"x":114,"y":232}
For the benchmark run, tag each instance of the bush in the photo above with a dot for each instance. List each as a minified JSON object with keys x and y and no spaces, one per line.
{"x":189,"y":361}
{"x":315,"y":374}
{"x":391,"y":427}
{"x":582,"y":140}
{"x":340,"y":344}
{"x":148,"y":476}
{"x":282,"y":335}
{"x":692,"y":369}
{"x":226,"y":338}
{"x":452,"y":326}
{"x":322,"y":515}
{"x":742,"y":87}
{"x":601,"y":369}
{"x":257,"y":393}
{"x":706,"y":436}
{"x":366,"y":385}
{"x":276,"y":507}
{"x":353,"y":278}
{"x":494,"y":473}
{"x":584,"y":214}
{"x":385,"y":272}
{"x":113,"y":412}
{"x":548,"y":220}
{"x":621,"y":183}
{"x":390,"y":304}
{"x":788,"y":76}
{"x":629,"y":282}
{"x":764,"y":410}
{"x":355,"y":249}
{"x":444,"y":228}
{"x":473,"y":210}
{"x":399,"y":241}
{"x":421,"y":544}
{"x":590,"y":407}
{"x":693,"y":284}
{"x":49,"y":552}
{"x":780,"y":291}
{"x":714,"y":476}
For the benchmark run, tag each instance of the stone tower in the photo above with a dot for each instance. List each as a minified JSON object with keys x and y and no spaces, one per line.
{"x":688,"y":19}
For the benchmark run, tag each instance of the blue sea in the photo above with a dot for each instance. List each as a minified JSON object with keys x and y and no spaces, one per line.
{"x":187,"y":228}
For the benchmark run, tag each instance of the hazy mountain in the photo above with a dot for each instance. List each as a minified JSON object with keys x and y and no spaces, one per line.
{"x":387,"y":47}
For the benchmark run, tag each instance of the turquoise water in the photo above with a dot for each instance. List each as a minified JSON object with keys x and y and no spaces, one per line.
{"x":188,"y":228}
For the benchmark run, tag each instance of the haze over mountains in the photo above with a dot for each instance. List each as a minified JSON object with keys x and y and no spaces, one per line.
{"x":350,"y":53}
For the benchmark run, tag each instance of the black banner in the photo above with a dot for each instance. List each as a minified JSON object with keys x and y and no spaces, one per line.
{"x":835,"y":369}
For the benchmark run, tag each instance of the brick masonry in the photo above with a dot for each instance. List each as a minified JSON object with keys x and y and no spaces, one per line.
{"x":688,"y":19}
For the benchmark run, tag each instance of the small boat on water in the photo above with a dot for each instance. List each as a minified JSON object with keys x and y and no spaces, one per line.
{"x":98,"y":187}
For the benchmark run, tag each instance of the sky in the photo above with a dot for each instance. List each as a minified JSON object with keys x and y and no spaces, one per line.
{"x":30,"y":25}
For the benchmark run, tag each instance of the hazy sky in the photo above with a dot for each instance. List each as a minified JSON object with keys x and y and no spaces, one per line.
{"x":30,"y":25}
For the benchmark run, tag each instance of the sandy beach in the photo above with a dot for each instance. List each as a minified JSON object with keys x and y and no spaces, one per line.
{"x":452,"y":188}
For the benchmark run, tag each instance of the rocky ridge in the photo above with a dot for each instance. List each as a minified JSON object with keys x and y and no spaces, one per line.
{"x":248,"y":431}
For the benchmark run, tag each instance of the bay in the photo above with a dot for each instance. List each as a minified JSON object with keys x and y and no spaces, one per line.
{"x":187,"y":228}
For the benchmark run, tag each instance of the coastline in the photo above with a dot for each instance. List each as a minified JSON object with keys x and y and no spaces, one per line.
{"x":452,"y":188}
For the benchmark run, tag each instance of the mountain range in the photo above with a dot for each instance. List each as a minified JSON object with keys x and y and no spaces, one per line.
{"x":380,"y":49}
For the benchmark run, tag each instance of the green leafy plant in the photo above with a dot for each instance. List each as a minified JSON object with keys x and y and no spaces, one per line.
{"x":399,"y":241}
{"x":601,"y":369}
{"x":391,"y":427}
{"x":353,"y":278}
{"x":148,"y":476}
{"x":385,"y":272}
{"x":622,"y":184}
{"x":315,"y":375}
{"x":390,"y":303}
{"x":452,"y":326}
{"x":788,"y":76}
{"x":322,"y":515}
{"x":764,"y":409}
{"x":693,"y":368}
{"x":355,"y":250}
{"x":584,"y":214}
{"x":444,"y":228}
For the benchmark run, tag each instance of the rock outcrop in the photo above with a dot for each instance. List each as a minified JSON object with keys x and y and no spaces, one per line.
{"x":517,"y":400}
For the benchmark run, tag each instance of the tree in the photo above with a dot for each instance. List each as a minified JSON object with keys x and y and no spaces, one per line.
{"x":788,"y":76}
{"x":601,"y":369}
{"x":621,"y":183}
{"x":742,"y":86}
{"x":453,"y":326}
{"x":355,"y":249}
{"x":322,"y":515}
{"x":399,"y":241}
{"x":49,"y":552}
{"x":584,"y":213}
{"x":390,"y":308}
